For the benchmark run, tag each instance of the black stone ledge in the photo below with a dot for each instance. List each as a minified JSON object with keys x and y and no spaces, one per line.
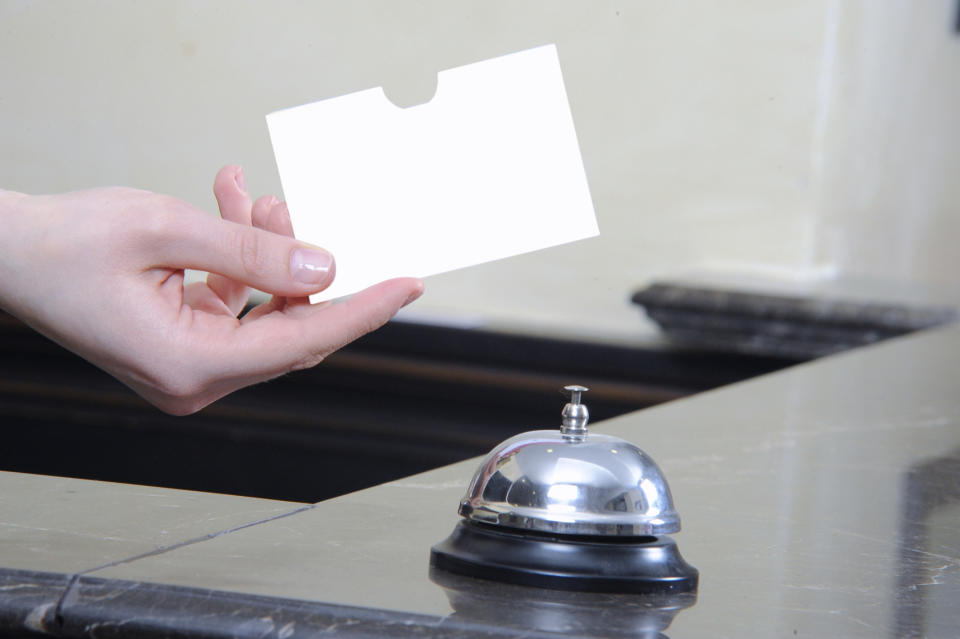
{"x":36,"y":604}
{"x":28,"y":601}
{"x":735,"y":321}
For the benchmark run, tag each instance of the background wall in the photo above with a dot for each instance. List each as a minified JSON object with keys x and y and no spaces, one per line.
{"x":889,"y":203}
{"x":797,"y":140}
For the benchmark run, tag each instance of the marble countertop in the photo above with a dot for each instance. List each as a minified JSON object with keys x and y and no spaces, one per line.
{"x":822,"y":500}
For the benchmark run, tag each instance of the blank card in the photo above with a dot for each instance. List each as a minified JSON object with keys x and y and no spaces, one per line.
{"x":487,"y":169}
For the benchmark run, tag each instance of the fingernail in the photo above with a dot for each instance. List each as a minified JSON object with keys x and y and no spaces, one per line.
{"x":241,"y":180}
{"x":414,"y":296}
{"x":310,"y":266}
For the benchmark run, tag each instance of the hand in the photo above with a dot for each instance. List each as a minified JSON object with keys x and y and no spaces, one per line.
{"x":101,"y":272}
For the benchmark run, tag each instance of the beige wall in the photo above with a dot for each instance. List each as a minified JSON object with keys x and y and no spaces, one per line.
{"x":890,"y":192}
{"x":755,"y":136}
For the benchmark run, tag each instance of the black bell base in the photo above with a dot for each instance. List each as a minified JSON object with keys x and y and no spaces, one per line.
{"x":565,"y":562}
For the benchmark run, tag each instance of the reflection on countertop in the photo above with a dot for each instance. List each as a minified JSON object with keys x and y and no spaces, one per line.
{"x":928,"y":574}
{"x":582,"y":614}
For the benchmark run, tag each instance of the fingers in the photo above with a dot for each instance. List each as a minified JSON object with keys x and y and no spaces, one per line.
{"x":280,"y":342}
{"x":273,"y":216}
{"x":276,"y":219}
{"x":229,"y":187}
{"x":270,"y":262}
{"x":364,"y":312}
{"x":202,"y":297}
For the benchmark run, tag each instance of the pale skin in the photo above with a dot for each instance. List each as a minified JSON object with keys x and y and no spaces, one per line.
{"x":102,"y":273}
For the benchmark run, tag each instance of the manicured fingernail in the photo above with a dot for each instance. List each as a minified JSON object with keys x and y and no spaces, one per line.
{"x":310,"y":266}
{"x":241,"y":180}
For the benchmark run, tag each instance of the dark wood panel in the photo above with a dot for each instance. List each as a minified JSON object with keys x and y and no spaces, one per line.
{"x":399,"y":401}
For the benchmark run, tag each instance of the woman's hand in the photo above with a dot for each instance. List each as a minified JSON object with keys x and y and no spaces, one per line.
{"x":101,"y":272}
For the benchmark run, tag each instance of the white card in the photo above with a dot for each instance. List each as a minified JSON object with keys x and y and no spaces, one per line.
{"x":487,"y":169}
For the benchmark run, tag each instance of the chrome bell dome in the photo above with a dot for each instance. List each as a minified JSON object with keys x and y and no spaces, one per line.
{"x":569,"y":510}
{"x":571,"y":482}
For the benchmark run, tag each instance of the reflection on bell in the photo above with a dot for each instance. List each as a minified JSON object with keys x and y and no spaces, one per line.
{"x":570,"y":510}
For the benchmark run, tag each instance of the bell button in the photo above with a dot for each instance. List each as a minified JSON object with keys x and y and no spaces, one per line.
{"x":575,"y":415}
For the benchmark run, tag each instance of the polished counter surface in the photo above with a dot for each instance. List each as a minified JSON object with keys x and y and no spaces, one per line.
{"x":823,"y":500}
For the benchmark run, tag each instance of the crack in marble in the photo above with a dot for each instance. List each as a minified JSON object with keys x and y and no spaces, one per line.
{"x":70,"y":591}
{"x":189,"y":542}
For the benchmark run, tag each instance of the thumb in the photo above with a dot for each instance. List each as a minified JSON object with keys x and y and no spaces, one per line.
{"x":267,"y":261}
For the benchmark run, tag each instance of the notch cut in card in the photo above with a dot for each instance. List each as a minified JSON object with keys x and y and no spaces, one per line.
{"x":487,"y":169}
